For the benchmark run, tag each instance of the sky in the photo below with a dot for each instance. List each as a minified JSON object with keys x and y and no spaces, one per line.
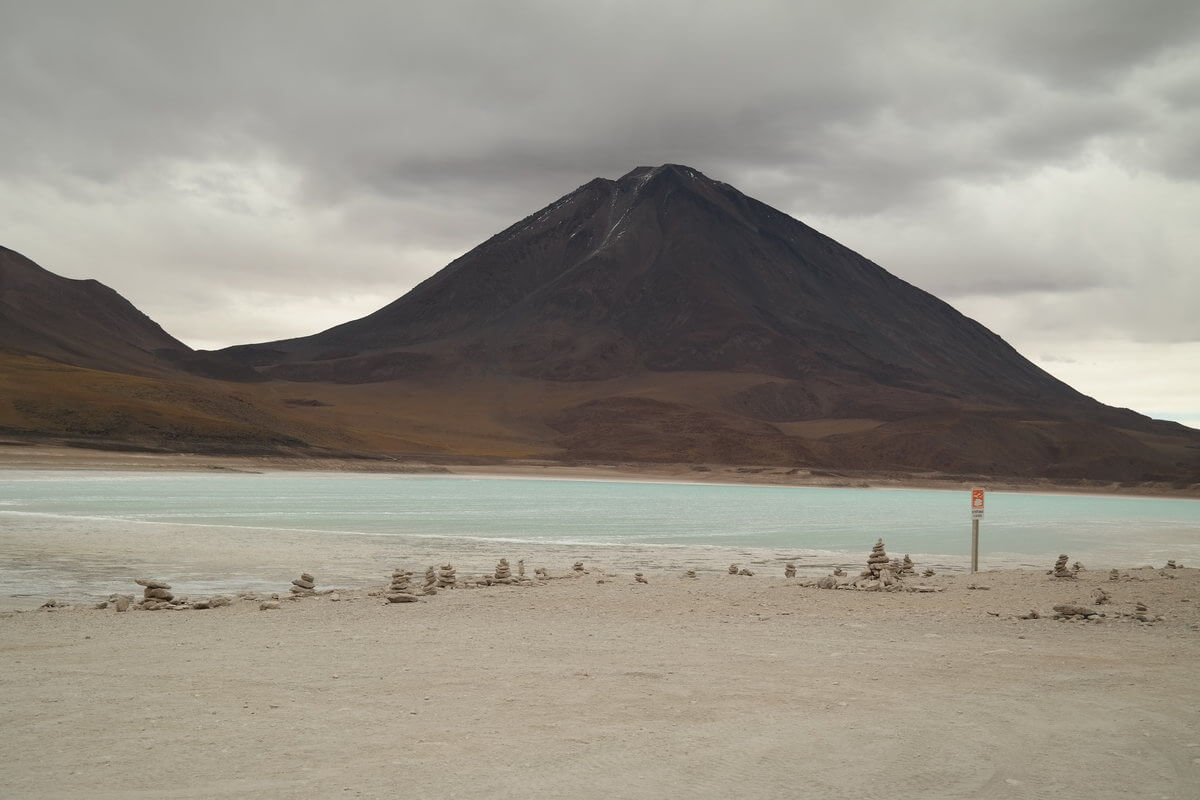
{"x":248,"y":171}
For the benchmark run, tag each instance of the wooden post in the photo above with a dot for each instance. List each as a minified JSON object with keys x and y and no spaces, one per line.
{"x":975,"y":545}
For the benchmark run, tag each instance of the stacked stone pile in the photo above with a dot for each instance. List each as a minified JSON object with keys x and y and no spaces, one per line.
{"x":401,"y":589}
{"x":503,"y":573}
{"x":1113,"y":575}
{"x":838,"y":572}
{"x":881,"y":571}
{"x":1171,"y":565}
{"x":733,"y":569}
{"x":927,"y":573}
{"x":446,"y":578}
{"x":521,"y":568}
{"x":907,"y":567}
{"x":1060,"y":567}
{"x":789,"y":570}
{"x":155,"y":594}
{"x":304,"y":586}
{"x":1077,"y":567}
{"x":431,"y":581}
{"x":877,"y":561}
{"x":541,"y":573}
{"x":691,"y":573}
{"x":578,"y":567}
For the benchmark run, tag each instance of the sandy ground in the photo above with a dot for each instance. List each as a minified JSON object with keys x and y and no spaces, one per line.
{"x":720,"y":686}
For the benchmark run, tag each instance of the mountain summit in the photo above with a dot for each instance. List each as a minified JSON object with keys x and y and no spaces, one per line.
{"x":666,"y":270}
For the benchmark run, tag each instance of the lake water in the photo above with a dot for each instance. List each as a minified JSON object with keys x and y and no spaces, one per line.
{"x":78,"y":535}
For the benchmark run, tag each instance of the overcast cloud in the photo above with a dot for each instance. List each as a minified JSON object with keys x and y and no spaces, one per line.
{"x":247,"y":171}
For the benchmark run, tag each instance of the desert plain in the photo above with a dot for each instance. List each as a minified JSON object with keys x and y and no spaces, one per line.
{"x":595,"y":685}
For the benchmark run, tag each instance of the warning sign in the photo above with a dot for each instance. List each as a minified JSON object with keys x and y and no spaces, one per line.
{"x":977,"y":504}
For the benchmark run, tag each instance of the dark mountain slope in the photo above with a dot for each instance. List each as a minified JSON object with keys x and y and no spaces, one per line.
{"x":667,"y":270}
{"x":86,"y":324}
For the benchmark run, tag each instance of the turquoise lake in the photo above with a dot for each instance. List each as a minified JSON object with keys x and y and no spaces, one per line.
{"x":82,"y":533}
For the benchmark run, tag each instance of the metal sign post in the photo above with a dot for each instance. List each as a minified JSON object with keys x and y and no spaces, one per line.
{"x":976,"y":515}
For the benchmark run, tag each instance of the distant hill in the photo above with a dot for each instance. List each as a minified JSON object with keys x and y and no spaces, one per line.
{"x":85,"y":323}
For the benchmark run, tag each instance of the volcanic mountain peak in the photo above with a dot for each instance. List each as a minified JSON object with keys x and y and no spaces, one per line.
{"x":665,"y":269}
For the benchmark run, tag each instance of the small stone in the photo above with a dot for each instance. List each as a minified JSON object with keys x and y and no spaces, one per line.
{"x":304,"y":576}
{"x":121,"y":602}
{"x":691,"y":573}
{"x":268,"y":605}
{"x":1069,"y":610}
{"x":150,"y":583}
{"x":304,"y":583}
{"x":640,"y":578}
{"x":402,"y":598}
{"x":158,"y":594}
{"x":827,"y":582}
{"x":335,"y":597}
{"x":733,"y":569}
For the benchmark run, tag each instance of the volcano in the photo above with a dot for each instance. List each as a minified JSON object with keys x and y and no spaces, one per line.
{"x":659,"y":317}
{"x":665,"y":316}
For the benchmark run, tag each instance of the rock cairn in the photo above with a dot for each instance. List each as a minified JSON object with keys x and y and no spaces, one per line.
{"x":1113,"y":575}
{"x":503,"y":574}
{"x":445,"y":577}
{"x":155,"y":594}
{"x":733,"y":569}
{"x":1060,"y":567}
{"x":1077,"y":567}
{"x":431,"y":581}
{"x":1171,"y":565}
{"x":838,"y":572}
{"x":691,"y":573}
{"x":789,"y":570}
{"x":401,"y":590}
{"x":1100,"y":597}
{"x":541,"y":573}
{"x":927,"y":573}
{"x":907,"y":567}
{"x":640,"y":578}
{"x":305,"y":585}
{"x":578,"y":567}
{"x":521,"y":568}
{"x":881,"y":571}
{"x":877,"y":562}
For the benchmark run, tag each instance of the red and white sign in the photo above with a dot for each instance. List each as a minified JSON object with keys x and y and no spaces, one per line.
{"x":977,"y":504}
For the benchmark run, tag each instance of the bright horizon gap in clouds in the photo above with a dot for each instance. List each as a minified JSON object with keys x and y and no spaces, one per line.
{"x":242,"y":175}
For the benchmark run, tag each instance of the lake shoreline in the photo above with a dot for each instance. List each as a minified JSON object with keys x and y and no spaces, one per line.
{"x":25,"y":456}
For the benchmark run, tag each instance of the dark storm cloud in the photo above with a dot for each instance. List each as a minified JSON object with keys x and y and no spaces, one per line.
{"x":203,"y":153}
